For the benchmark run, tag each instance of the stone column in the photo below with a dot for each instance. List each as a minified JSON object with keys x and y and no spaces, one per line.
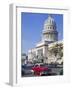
{"x":45,"y":53}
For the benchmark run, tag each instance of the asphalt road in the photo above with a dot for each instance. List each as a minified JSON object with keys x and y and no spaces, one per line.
{"x":54,"y":70}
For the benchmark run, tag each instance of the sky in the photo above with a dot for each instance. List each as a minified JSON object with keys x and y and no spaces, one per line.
{"x":31,"y":28}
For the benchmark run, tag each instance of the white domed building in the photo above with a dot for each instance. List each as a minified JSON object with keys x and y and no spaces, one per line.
{"x":42,"y":51}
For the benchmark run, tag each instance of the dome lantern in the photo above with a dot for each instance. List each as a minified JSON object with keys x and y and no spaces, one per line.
{"x":49,"y":24}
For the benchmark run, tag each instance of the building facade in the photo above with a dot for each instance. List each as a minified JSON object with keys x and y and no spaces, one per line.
{"x":42,"y":51}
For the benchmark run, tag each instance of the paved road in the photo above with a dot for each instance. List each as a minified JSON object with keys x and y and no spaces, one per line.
{"x":54,"y":70}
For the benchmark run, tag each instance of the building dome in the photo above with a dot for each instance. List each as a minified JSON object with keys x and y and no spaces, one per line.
{"x":49,"y":24}
{"x":50,"y":21}
{"x":50,"y":31}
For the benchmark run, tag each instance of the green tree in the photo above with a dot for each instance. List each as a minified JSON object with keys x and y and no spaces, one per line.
{"x":57,"y":50}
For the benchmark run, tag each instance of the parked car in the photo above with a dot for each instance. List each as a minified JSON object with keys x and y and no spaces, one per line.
{"x":26,"y":70}
{"x":39,"y":70}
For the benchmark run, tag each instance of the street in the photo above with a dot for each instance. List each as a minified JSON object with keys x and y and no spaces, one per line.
{"x":28,"y":72}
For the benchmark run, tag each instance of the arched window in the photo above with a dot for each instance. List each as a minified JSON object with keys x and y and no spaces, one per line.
{"x":53,"y":27}
{"x":50,"y":27}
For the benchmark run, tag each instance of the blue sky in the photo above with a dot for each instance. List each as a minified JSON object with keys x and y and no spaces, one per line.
{"x":32,"y":26}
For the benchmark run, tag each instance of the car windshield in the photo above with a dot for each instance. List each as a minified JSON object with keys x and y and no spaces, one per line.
{"x":36,"y":65}
{"x":42,"y":65}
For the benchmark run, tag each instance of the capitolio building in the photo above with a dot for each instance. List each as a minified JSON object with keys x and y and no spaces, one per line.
{"x":49,"y":49}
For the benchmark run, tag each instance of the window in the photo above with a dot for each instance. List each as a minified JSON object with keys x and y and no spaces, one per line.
{"x":50,"y":27}
{"x":53,"y":27}
{"x":40,"y":52}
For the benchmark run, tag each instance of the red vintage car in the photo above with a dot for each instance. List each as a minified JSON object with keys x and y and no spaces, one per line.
{"x":38,"y":69}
